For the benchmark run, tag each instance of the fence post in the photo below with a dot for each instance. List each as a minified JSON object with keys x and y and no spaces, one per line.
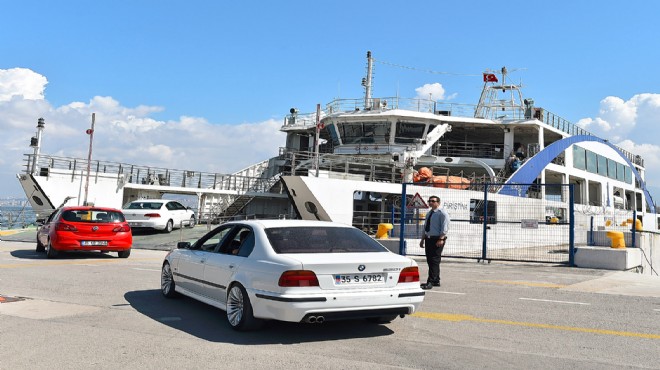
{"x":571,"y":227}
{"x":590,"y":242}
{"x":485,"y":213}
{"x":402,"y":240}
{"x":633,"y":228}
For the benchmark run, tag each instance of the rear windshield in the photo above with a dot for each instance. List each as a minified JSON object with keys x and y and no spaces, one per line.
{"x":145,"y":205}
{"x":93,"y":216}
{"x":321,"y":240}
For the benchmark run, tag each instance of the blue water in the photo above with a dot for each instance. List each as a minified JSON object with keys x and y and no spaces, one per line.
{"x":12,"y":217}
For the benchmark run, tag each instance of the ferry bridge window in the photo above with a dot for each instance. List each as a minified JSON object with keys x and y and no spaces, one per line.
{"x":611,"y":169}
{"x":407,"y":132}
{"x":330,"y":129}
{"x":579,"y":158}
{"x":620,"y":173}
{"x":628,"y":176}
{"x":591,"y":161}
{"x":364,"y":133}
{"x":602,"y":165}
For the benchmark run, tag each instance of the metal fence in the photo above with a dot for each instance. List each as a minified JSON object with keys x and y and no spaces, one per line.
{"x":535,"y":225}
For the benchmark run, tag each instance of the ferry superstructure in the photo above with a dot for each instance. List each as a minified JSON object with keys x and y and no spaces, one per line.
{"x":346,"y":162}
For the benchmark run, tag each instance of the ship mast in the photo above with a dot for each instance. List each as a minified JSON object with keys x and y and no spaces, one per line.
{"x":366,"y":82}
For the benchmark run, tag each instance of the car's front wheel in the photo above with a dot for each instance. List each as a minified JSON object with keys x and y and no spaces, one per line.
{"x":192,"y":222}
{"x":239,"y":309}
{"x":167,"y":281}
{"x":169,"y":227}
{"x":50,"y":251}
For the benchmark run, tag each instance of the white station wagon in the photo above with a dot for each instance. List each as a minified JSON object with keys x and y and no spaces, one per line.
{"x":293,"y":270}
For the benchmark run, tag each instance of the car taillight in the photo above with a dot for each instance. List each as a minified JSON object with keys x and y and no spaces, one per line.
{"x":409,"y":275}
{"x":152,"y":215}
{"x":298,"y":278}
{"x":121,"y":228}
{"x":61,"y":226}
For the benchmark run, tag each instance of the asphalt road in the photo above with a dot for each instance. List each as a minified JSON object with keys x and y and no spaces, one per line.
{"x":98,"y":311}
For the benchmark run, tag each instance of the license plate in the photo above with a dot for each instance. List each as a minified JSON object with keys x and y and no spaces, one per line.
{"x":134,"y":224}
{"x":91,"y":243}
{"x":355,"y":279}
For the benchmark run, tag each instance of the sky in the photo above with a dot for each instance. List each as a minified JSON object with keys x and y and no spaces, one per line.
{"x":205,"y":85}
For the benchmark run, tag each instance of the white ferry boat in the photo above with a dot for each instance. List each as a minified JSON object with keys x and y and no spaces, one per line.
{"x":347,"y":162}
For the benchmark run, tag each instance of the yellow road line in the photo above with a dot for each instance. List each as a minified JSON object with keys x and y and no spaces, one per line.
{"x":69,"y":262}
{"x":9,"y":232}
{"x":458,"y":318}
{"x":525,"y":283}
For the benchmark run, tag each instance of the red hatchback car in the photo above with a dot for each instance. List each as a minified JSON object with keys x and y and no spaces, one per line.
{"x":81,"y":228}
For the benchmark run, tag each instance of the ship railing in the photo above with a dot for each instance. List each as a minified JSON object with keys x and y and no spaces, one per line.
{"x":364,"y":168}
{"x":396,"y":102}
{"x":308,"y":120}
{"x":570,"y":128}
{"x":17,"y":217}
{"x":468,"y":149}
{"x":46,"y":165}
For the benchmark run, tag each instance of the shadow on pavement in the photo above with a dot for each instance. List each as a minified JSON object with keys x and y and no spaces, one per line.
{"x":33,"y":254}
{"x":210,"y":323}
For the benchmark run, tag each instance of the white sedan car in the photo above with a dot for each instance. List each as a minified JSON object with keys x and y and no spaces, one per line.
{"x":159,"y":214}
{"x":293,"y":270}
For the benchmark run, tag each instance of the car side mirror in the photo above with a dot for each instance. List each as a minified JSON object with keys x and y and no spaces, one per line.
{"x":183,"y":245}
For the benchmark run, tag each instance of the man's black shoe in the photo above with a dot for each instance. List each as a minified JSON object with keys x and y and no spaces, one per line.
{"x":426,"y":286}
{"x":436,"y":284}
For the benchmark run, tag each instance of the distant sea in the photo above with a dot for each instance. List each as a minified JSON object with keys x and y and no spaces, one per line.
{"x":14,"y":217}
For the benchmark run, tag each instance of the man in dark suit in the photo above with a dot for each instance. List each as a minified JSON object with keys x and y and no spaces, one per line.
{"x":433,"y":240}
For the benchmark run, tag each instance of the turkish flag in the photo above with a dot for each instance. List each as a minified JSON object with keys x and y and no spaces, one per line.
{"x":490,"y":77}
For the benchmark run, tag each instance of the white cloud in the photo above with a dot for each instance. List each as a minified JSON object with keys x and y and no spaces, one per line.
{"x":621,"y":119}
{"x":433,"y":91}
{"x":122,"y":134}
{"x":21,"y":83}
{"x":633,"y":126}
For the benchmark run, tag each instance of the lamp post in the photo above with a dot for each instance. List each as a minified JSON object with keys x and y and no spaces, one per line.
{"x":90,"y":132}
{"x":35,"y":142}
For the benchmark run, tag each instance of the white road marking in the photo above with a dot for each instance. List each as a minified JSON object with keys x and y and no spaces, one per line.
{"x":551,"y":301}
{"x":656,"y":309}
{"x":441,"y":292}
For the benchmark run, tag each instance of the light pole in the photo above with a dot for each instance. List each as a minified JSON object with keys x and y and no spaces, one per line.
{"x":35,"y":142}
{"x":90,"y":132}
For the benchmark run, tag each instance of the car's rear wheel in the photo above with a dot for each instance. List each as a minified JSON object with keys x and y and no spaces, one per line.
{"x":40,"y":246}
{"x":167,"y":281}
{"x":50,"y":251}
{"x":169,"y":227}
{"x":192,"y":222}
{"x":239,"y":309}
{"x":124,"y":254}
{"x":382,"y":319}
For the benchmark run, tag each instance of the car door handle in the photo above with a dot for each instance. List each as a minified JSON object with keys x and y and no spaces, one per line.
{"x":202,"y":260}
{"x":231,"y":266}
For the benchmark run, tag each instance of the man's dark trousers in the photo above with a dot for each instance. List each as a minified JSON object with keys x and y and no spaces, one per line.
{"x":433,"y":257}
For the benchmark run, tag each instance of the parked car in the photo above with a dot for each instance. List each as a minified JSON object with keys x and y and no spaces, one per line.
{"x":81,"y":228}
{"x":293,"y":270}
{"x":159,"y":214}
